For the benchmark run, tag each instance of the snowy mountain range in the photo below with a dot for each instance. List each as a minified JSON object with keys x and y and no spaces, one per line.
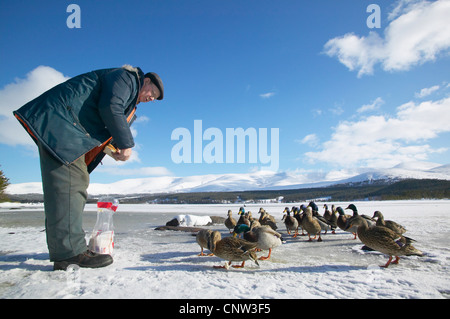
{"x":259,"y":180}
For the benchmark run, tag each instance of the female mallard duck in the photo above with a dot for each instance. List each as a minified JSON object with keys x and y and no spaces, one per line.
{"x":342,"y":221}
{"x":290,"y":222}
{"x":370,"y":221}
{"x":384,"y":240}
{"x":311,"y":225}
{"x":232,"y":249}
{"x":267,"y":219}
{"x":255,"y":223}
{"x":230,"y":222}
{"x":399,"y":229}
{"x":265,"y":237}
{"x":327,"y":212}
{"x":333,"y":220}
{"x":250,"y":217}
{"x":299,"y":217}
{"x":202,"y":239}
{"x":324,"y":224}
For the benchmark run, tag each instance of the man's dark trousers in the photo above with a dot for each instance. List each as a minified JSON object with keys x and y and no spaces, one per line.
{"x":65,"y":194}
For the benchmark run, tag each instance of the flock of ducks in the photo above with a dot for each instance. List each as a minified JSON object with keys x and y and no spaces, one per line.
{"x":375,"y":233}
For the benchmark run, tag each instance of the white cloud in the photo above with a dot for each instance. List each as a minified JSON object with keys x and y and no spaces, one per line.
{"x":142,"y":119}
{"x":316,"y":112}
{"x":311,"y":140}
{"x":375,"y":105}
{"x":267,"y":95}
{"x":417,"y":33}
{"x":16,"y":94}
{"x":336,"y":110}
{"x":427,"y":91}
{"x":382,"y":141}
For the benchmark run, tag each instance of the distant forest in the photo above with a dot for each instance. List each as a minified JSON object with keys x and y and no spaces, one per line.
{"x":405,"y":189}
{"x":376,"y":190}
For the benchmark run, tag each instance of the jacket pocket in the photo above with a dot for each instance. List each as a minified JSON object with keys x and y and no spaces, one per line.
{"x":76,"y":122}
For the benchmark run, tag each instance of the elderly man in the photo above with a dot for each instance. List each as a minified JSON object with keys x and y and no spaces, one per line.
{"x":72,"y":123}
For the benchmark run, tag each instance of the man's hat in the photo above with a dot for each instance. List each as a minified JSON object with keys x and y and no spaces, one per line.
{"x":157,"y":81}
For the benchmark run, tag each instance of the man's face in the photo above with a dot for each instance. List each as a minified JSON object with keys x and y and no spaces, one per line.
{"x":149,"y":91}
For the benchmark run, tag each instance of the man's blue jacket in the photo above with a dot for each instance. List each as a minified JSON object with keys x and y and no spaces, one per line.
{"x":79,"y":116}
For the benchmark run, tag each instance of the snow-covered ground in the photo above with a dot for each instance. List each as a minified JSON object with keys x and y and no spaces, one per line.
{"x":164,"y":264}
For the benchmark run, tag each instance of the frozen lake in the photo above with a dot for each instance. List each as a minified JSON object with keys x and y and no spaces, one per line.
{"x":164,"y":264}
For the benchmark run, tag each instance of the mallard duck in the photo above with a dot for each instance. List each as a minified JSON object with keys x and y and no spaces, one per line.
{"x":265,"y":237}
{"x":250,"y":217}
{"x":327,"y":212}
{"x":248,"y":235}
{"x":342,"y":221}
{"x":313,"y":206}
{"x":240,"y":230}
{"x":202,"y":239}
{"x":243,"y":219}
{"x":370,"y":221}
{"x":384,"y":240}
{"x":290,"y":222}
{"x":399,"y":229}
{"x":266,"y":219}
{"x":333,"y":220}
{"x":299,"y":217}
{"x":311,"y":225}
{"x":232,"y":249}
{"x":324,"y":224}
{"x":262,"y":214}
{"x":230,"y":222}
{"x":255,"y":223}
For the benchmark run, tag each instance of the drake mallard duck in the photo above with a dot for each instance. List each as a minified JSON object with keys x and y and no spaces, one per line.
{"x":342,"y":221}
{"x":396,"y":227}
{"x":230,"y":222}
{"x":243,"y":218}
{"x":202,"y":238}
{"x":266,"y":219}
{"x":384,"y":240}
{"x":232,"y":249}
{"x":265,"y":237}
{"x":290,"y":222}
{"x":240,"y":230}
{"x":311,"y":225}
{"x":370,"y":221}
{"x":314,"y":207}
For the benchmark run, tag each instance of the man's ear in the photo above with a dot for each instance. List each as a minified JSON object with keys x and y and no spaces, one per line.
{"x":147,"y":81}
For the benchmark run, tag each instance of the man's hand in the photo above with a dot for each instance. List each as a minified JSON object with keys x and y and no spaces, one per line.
{"x":122,"y":155}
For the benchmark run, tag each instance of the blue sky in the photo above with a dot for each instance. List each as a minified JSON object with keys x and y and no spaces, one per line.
{"x":343,"y":96}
